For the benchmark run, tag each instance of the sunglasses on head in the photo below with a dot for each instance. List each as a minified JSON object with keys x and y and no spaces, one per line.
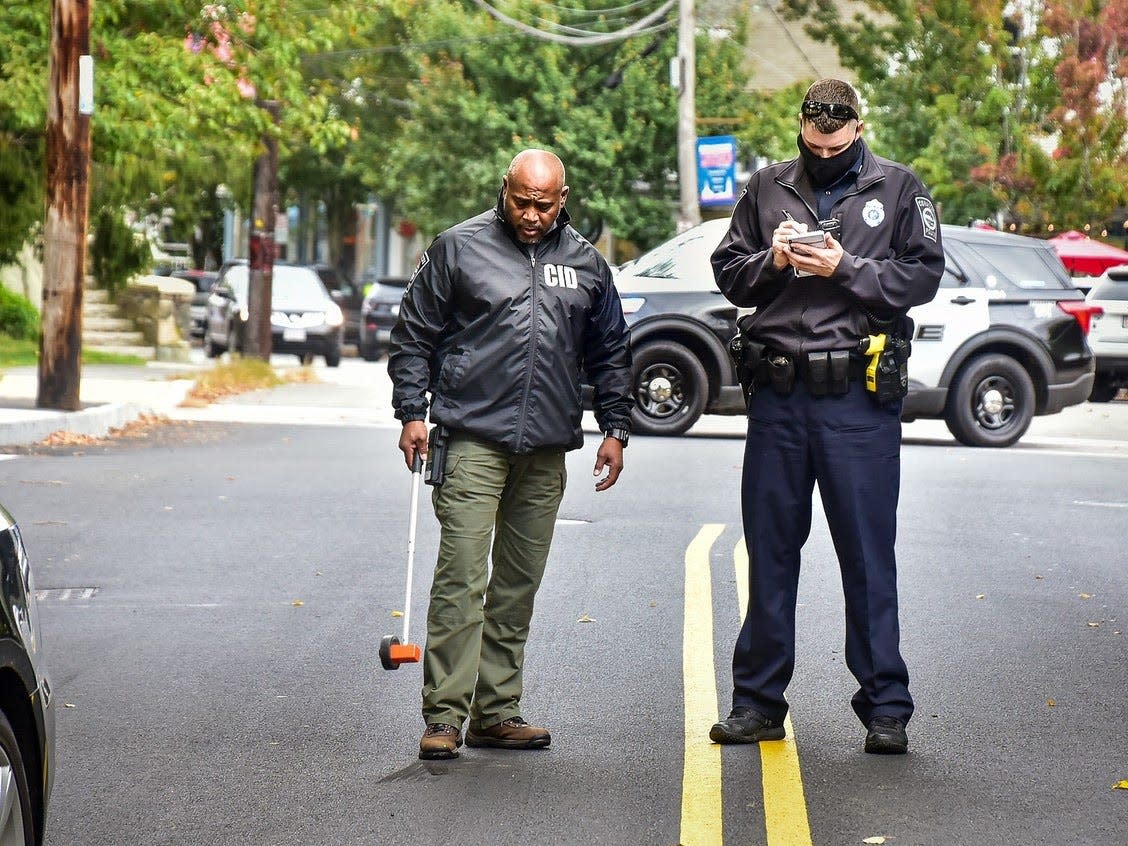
{"x":838,"y":111}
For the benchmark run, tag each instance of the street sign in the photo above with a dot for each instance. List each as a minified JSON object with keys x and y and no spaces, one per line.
{"x":716,"y":170}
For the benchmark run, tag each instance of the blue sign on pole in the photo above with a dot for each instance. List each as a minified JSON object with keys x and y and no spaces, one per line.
{"x":716,"y":170}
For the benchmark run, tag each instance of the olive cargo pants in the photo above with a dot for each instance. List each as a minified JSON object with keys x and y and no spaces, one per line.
{"x":478,"y":619}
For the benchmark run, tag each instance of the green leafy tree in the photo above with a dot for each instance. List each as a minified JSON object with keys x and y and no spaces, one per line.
{"x":482,"y":91}
{"x":177,"y":85}
{"x":1085,"y":178}
{"x":972,"y":94}
{"x":946,"y":91}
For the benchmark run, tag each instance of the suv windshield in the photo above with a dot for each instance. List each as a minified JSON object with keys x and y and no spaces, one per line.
{"x":288,"y":283}
{"x":1012,"y":265}
{"x":683,"y":258}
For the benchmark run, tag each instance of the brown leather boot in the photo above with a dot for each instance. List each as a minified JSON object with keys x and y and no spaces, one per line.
{"x":513,"y":733}
{"x":439,"y":742}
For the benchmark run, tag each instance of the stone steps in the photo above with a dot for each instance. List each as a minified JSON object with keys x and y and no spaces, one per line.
{"x":105,"y":330}
{"x":92,"y":324}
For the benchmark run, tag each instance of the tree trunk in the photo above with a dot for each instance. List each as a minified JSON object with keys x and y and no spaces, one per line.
{"x":68,"y":197}
{"x":257,"y":341}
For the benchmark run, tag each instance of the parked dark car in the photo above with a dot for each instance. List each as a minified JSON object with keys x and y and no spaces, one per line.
{"x":1003,"y":340}
{"x":378,"y":315}
{"x":345,"y":294}
{"x":198,"y":310}
{"x":27,"y":715}
{"x":304,"y":320}
{"x":1109,"y":338}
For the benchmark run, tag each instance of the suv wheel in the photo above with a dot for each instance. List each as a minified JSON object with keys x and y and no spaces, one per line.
{"x":333,"y":357}
{"x":1104,"y":389}
{"x":17,"y":820}
{"x":368,"y":350}
{"x":669,"y":388}
{"x":992,"y":403}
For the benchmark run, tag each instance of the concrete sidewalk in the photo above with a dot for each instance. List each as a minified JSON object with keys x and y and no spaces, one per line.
{"x":356,"y":393}
{"x":111,"y":396}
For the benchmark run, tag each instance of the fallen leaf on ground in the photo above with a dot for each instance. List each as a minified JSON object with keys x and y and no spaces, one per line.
{"x":397,"y":613}
{"x":297,"y":603}
{"x":981,"y":596}
{"x":1051,"y":703}
{"x":1121,"y":785}
{"x":1085,"y":595}
{"x":1093,"y":625}
{"x":585,"y":619}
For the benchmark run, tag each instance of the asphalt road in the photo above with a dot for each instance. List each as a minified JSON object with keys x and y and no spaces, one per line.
{"x":221,"y":684}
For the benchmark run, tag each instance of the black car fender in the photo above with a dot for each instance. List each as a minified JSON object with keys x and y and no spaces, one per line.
{"x":1024,"y":348}
{"x":17,"y":689}
{"x":698,"y":338}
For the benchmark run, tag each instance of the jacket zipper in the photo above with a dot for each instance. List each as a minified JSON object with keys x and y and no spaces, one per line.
{"x":533,"y":309}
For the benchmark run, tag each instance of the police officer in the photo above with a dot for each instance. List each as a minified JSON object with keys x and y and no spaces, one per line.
{"x":501,"y":317}
{"x":810,"y":416}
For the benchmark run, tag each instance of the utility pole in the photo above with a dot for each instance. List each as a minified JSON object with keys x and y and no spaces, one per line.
{"x":264,"y":209}
{"x":68,"y":198}
{"x":689,"y":212}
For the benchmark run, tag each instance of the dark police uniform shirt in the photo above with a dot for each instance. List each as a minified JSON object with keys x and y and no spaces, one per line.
{"x":892,"y":260}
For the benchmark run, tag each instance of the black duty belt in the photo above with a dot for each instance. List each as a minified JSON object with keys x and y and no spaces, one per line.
{"x":878,"y":361}
{"x":823,"y":372}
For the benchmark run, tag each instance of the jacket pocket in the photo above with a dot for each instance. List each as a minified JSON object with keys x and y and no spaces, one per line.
{"x":452,"y":370}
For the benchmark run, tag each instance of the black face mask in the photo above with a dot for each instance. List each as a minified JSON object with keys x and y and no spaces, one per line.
{"x":825,"y":172}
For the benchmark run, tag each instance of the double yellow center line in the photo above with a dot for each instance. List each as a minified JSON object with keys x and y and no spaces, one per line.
{"x":785,"y":810}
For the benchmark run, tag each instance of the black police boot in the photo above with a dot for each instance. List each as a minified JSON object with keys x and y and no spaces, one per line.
{"x":745,"y":725}
{"x":886,"y":736}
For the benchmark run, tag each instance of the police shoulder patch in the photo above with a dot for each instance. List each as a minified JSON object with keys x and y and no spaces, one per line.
{"x":927,"y":217}
{"x":424,"y":260}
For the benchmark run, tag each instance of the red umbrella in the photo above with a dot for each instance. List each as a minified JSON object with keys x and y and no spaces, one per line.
{"x":1082,"y":255}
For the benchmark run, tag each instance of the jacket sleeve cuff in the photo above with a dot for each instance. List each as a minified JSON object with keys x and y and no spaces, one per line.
{"x":607,"y":423}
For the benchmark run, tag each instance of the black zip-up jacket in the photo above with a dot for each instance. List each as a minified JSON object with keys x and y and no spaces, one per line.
{"x":501,"y":338}
{"x":893,"y":258}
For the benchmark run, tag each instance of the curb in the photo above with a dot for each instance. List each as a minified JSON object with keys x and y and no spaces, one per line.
{"x":95,"y":421}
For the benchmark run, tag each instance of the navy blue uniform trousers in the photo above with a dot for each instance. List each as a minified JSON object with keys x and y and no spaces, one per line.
{"x":851,"y":448}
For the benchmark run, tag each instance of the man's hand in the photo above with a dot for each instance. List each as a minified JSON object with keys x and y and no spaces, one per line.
{"x":818,"y":261}
{"x":781,"y":255}
{"x":610,"y":456}
{"x":413,"y":440}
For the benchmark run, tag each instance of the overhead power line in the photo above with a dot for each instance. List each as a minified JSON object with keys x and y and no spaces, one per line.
{"x":647,"y":23}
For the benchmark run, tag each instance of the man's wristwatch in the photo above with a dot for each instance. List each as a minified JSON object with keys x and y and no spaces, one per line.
{"x":621,"y":435}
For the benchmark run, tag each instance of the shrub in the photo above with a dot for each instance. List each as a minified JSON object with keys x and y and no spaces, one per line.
{"x":116,"y":254}
{"x":19,"y":319}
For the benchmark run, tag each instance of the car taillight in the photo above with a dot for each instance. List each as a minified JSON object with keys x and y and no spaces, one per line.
{"x":1081,"y":311}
